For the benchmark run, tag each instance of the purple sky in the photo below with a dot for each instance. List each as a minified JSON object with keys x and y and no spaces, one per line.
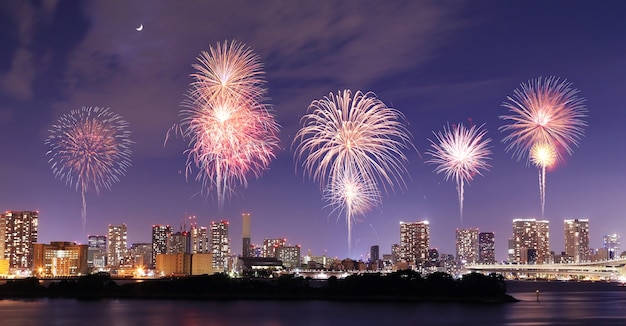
{"x":436,"y":61}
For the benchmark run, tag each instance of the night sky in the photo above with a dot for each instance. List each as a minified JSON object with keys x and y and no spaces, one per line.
{"x":438,"y":62}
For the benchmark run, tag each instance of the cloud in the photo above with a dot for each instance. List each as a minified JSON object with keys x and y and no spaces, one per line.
{"x":309,"y":49}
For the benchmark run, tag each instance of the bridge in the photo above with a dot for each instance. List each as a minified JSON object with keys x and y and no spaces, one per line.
{"x":600,"y":270}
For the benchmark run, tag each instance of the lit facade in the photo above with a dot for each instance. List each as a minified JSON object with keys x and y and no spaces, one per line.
{"x":414,"y":241}
{"x":18,"y":235}
{"x":160,"y":235}
{"x":96,"y":251}
{"x":139,"y":255}
{"x":530,"y":242}
{"x":59,"y":259}
{"x":577,"y":240}
{"x":220,"y":245}
{"x":289,"y":255}
{"x":199,"y":240}
{"x":118,"y":244}
{"x":270,"y":246}
{"x":486,"y":248}
{"x":612,"y":245}
{"x":467,"y":245}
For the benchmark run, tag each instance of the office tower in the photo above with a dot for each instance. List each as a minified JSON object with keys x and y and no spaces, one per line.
{"x":18,"y":234}
{"x":467,"y":245}
{"x":414,"y":241}
{"x":611,"y":244}
{"x":160,"y":235}
{"x":96,"y":251}
{"x":220,"y":245}
{"x":577,"y":239}
{"x":486,"y":248}
{"x":289,"y":255}
{"x":531,"y":241}
{"x":245,"y":233}
{"x":270,"y":245}
{"x":374,"y":253}
{"x":60,"y":259}
{"x":118,"y":238}
{"x":199,"y":240}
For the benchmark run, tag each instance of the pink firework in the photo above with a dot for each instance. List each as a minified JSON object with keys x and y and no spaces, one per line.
{"x":232,"y":133}
{"x":460,"y":153}
{"x":547,"y":113}
{"x":90,"y":149}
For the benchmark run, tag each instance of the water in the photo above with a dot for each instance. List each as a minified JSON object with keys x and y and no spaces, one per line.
{"x":559,"y":304}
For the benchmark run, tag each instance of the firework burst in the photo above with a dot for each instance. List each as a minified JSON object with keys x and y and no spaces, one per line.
{"x":232,"y":133}
{"x":460,"y":153}
{"x":89,"y":149}
{"x":351,"y":141}
{"x":546,"y":113}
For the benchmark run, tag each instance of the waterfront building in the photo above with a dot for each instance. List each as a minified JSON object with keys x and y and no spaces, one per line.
{"x":60,"y":259}
{"x":199,"y":240}
{"x":270,"y":246}
{"x":414,"y":241}
{"x":140,"y":255}
{"x":467,"y":245}
{"x":530,"y":242}
{"x":577,"y":240}
{"x":179,"y":243}
{"x":220,"y":245}
{"x":18,"y":235}
{"x":118,"y":244}
{"x":160,"y":235}
{"x":289,"y":255}
{"x":612,"y":245}
{"x":486,"y":248}
{"x":396,"y":251}
{"x":96,"y":251}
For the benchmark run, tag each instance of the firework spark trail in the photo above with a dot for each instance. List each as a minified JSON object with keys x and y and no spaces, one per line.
{"x":460,"y":153}
{"x":543,"y":155}
{"x":232,"y":133}
{"x":547,"y":112}
{"x":355,"y":139}
{"x":89,"y":147}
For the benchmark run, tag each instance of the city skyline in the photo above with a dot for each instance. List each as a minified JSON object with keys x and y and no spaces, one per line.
{"x":437,"y":64}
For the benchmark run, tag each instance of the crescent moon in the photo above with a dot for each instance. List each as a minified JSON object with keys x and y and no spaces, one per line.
{"x":140,"y":28}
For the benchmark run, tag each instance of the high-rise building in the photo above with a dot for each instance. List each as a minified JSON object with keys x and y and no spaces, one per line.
{"x":199,"y":240}
{"x":60,"y":259}
{"x":139,"y":255}
{"x":374,"y":253}
{"x":289,"y":255}
{"x":612,"y":245}
{"x":220,"y":245}
{"x":414,"y":241}
{"x":18,"y":235}
{"x":396,"y":252}
{"x":270,"y":246}
{"x":531,"y":241}
{"x":96,"y":251}
{"x":486,"y":248}
{"x":245,"y":233}
{"x":160,"y":235}
{"x":467,"y":245}
{"x":577,"y":239}
{"x":179,"y":243}
{"x":118,"y":244}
